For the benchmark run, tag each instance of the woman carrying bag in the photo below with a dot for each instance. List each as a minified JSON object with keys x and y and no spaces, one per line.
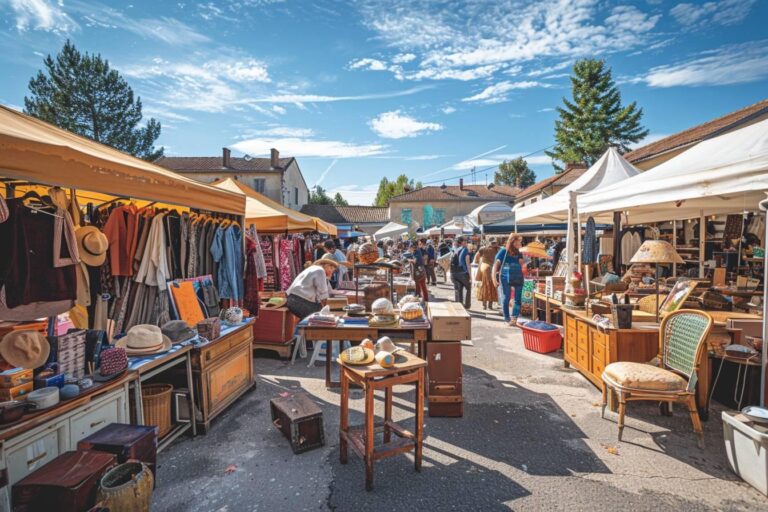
{"x":508,"y":271}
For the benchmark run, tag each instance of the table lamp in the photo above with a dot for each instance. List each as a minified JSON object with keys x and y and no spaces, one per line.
{"x":656,"y":252}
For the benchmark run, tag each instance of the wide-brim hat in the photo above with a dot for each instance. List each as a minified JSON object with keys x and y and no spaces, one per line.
{"x":178,"y":331}
{"x":326,"y":261}
{"x":144,"y":339}
{"x":535,"y":250}
{"x":357,"y":356}
{"x":25,"y":349}
{"x":92,"y":245}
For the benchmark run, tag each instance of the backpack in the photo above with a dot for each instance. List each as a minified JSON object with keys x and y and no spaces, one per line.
{"x":456,"y":267}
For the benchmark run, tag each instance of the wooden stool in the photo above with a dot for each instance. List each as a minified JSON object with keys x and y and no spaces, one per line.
{"x":408,"y":369}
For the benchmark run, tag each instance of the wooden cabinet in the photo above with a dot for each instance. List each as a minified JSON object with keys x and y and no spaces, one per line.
{"x":223,"y":371}
{"x":590,"y":350}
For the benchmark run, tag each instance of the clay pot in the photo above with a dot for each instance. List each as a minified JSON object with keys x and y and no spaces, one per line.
{"x":127,"y":488}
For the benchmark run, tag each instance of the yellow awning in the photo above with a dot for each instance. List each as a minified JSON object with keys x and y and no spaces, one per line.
{"x":38,"y":152}
{"x":270,"y":216}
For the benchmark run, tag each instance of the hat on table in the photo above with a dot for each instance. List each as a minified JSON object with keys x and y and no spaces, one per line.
{"x":143,"y":340}
{"x":357,"y":355}
{"x":92,"y":245}
{"x":25,"y":349}
{"x":178,"y":331}
{"x":112,"y":362}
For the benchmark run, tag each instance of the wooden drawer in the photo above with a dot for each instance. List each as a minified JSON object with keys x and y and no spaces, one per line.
{"x":95,"y":417}
{"x":211,"y":353}
{"x":570,"y":323}
{"x":581,"y":328}
{"x":583,"y":359}
{"x":571,"y":349}
{"x":598,"y":352}
{"x":597,"y":367}
{"x":598,"y":337}
{"x":227,"y":378}
{"x":582,"y":341}
{"x":34,"y":453}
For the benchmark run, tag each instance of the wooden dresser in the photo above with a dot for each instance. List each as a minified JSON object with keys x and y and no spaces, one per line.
{"x":223,"y":371}
{"x":589,"y":350}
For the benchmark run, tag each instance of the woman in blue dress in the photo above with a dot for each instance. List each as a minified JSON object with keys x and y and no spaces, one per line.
{"x":508,"y":271}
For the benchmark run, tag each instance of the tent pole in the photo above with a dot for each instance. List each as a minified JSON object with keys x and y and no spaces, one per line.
{"x":702,"y":236}
{"x":616,"y":242}
{"x":674,"y":244}
{"x":764,"y":366}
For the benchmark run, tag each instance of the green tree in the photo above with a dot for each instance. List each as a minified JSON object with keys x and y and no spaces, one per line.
{"x":82,"y":94}
{"x":515,"y":173}
{"x":320,"y":196}
{"x":389,"y":189}
{"x":595,"y":118}
{"x":338,"y":200}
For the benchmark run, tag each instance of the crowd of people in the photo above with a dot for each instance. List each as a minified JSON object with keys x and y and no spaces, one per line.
{"x":498,"y":277}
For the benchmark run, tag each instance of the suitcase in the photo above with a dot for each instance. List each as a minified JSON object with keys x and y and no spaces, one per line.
{"x":373,"y":291}
{"x":274,"y":325}
{"x":66,"y":484}
{"x":300,"y":420}
{"x":137,"y":442}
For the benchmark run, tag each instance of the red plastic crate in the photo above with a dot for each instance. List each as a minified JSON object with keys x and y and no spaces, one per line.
{"x":540,"y":341}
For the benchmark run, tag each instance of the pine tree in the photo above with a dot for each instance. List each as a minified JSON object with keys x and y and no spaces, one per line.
{"x":339,"y":200}
{"x":82,"y":94}
{"x":595,"y":118}
{"x":515,"y":173}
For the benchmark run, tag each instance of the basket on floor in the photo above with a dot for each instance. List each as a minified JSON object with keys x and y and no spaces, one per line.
{"x":156,"y":401}
{"x":541,"y":341}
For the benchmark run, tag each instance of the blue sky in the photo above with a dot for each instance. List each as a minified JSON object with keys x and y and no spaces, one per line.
{"x":358,"y":90}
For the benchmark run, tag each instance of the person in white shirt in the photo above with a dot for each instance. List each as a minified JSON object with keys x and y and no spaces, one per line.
{"x":310,"y":290}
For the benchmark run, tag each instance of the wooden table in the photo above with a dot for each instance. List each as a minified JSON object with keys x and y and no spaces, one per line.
{"x":149,"y":366}
{"x":550,"y":305}
{"x":222,"y":371}
{"x":409,"y":369}
{"x":358,"y":333}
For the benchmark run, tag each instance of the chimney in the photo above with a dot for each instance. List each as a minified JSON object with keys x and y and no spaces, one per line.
{"x":225,"y":157}
{"x":274,"y":158}
{"x":461,"y":183}
{"x":574,"y":165}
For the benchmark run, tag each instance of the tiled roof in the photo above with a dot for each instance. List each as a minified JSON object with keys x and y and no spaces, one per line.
{"x":699,"y":133}
{"x":214,"y":163}
{"x":564,"y":178}
{"x":457,"y":193}
{"x":347,"y":214}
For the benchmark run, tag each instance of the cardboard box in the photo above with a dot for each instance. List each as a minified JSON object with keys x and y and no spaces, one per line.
{"x":337,"y":303}
{"x":553,"y":284}
{"x":450,"y":321}
{"x":16,"y":392}
{"x":14,"y":377}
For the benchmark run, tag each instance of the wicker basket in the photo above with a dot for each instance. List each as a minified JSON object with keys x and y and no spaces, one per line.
{"x":156,"y":401}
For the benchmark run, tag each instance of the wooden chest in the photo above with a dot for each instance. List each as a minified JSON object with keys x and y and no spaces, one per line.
{"x":445,"y":383}
{"x":450,"y":321}
{"x":66,"y":484}
{"x":137,"y":442}
{"x":300,"y":420}
{"x":274,"y":325}
{"x":222,"y":371}
{"x":373,"y":291}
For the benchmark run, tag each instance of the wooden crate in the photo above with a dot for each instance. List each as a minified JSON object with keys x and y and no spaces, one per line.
{"x":450,"y":321}
{"x":300,"y":420}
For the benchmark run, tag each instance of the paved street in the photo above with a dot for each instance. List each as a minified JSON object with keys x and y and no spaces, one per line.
{"x":531,"y":439}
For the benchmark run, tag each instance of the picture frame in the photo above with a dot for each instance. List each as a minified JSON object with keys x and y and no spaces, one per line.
{"x":677,"y":296}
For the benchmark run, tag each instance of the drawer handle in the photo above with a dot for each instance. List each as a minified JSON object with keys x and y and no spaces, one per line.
{"x":37,"y":459}
{"x":444,"y":387}
{"x":97,"y":423}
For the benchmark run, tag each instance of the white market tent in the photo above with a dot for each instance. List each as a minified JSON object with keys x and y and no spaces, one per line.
{"x":725,"y":174}
{"x":490,"y":212}
{"x":391,"y":230}
{"x":609,"y":170}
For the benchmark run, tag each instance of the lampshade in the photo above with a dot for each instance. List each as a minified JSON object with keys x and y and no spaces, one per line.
{"x":656,"y":251}
{"x":535,"y":249}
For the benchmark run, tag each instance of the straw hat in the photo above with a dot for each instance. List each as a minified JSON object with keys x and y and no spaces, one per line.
{"x":357,"y":356}
{"x":143,"y":340}
{"x":59,"y":198}
{"x":25,"y":349}
{"x":92,"y":245}
{"x":535,"y":249}
{"x":327,"y":261}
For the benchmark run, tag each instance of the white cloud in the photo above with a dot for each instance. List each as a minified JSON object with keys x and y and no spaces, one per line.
{"x":723,"y":12}
{"x":357,"y":194}
{"x":285,"y":131}
{"x":250,"y":70}
{"x":325,"y":173}
{"x":403,"y":58}
{"x":42,"y":15}
{"x":370,"y":64}
{"x":495,"y":160}
{"x":303,"y":147}
{"x":463,"y":39}
{"x":546,"y":109}
{"x":734,"y":64}
{"x":448,"y":110}
{"x":277,"y":109}
{"x":395,"y":125}
{"x":319,"y":98}
{"x":550,"y":69}
{"x":497,"y":93}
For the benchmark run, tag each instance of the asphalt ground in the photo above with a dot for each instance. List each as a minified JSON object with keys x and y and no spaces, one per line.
{"x":531,"y":439}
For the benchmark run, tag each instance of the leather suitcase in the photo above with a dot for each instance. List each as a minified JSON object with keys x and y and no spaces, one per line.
{"x":300,"y":420}
{"x":453,"y":409}
{"x":137,"y":442}
{"x":274,"y":325}
{"x":373,"y":291}
{"x":444,"y":362}
{"x":66,"y":484}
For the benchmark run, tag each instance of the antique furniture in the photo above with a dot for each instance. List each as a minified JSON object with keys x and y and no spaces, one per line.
{"x":682,"y":336}
{"x":408,"y":369}
{"x":356,"y":334}
{"x":300,"y":420}
{"x":66,"y":484}
{"x":590,"y":348}
{"x":137,"y":442}
{"x":450,"y":321}
{"x":650,"y":303}
{"x":222,"y":371}
{"x":150,"y":366}
{"x":274,"y":330}
{"x":41,"y":437}
{"x":656,"y":252}
{"x":445,"y":373}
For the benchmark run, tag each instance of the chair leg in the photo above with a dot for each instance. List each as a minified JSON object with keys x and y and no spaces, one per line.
{"x":605,"y":400}
{"x":697,"y":428}
{"x":622,"y":410}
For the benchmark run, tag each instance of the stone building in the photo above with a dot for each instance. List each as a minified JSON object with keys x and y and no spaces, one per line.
{"x":280,"y":179}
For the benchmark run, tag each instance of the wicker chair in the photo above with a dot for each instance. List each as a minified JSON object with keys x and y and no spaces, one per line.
{"x":648,"y":303}
{"x":681,"y":339}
